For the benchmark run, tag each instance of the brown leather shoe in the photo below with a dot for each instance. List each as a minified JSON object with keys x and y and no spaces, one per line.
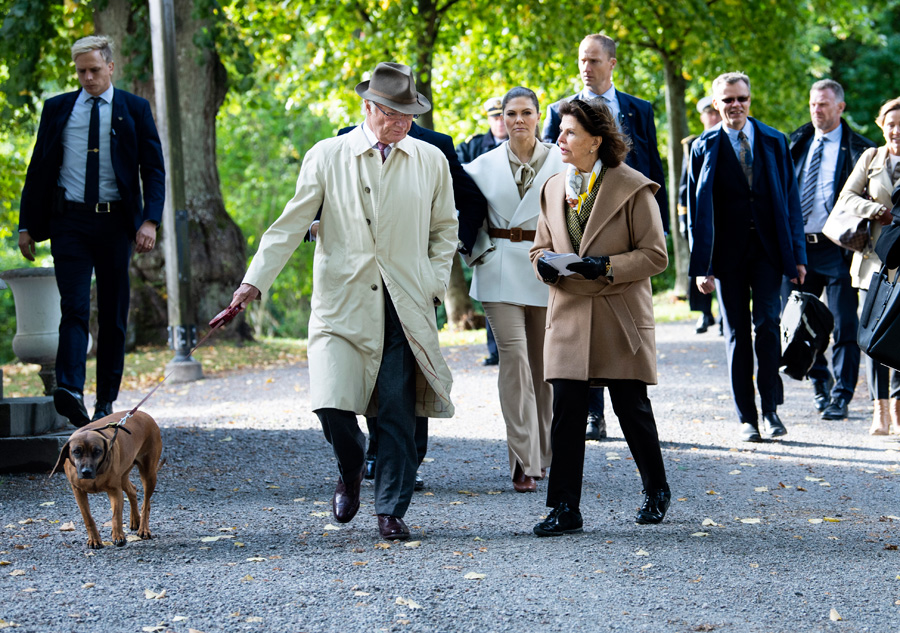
{"x":345,"y":503}
{"x":523,"y":482}
{"x":392,"y":528}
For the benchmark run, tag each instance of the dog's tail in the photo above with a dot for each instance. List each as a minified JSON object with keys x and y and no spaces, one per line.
{"x":162,"y":458}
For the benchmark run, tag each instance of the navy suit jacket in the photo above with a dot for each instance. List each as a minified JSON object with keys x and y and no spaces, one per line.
{"x":470,"y":203}
{"x":136,"y":155}
{"x":637,"y":121}
{"x":784,"y":199}
{"x":852,"y":147}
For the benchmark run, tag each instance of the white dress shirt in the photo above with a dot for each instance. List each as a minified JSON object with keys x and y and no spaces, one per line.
{"x":75,"y":146}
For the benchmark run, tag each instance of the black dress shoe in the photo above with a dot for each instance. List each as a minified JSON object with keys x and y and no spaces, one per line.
{"x":774,"y":425}
{"x":491,"y":360}
{"x":102,"y":409}
{"x":70,"y":404}
{"x":703,"y":323}
{"x":596,"y":428}
{"x":561,"y":520}
{"x":837,"y":410}
{"x":345,"y":503}
{"x":654,"y":508}
{"x":420,"y":483}
{"x":822,"y":393}
{"x":370,"y":467}
{"x":750,"y":432}
{"x":392,"y":528}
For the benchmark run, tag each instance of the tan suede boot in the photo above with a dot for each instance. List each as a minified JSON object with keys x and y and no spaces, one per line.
{"x":881,"y":421}
{"x":895,"y":416}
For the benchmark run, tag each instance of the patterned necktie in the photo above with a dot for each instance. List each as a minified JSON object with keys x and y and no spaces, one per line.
{"x":745,"y":156}
{"x":92,"y":168}
{"x":384,"y":149}
{"x":576,"y":218}
{"x":808,"y":195}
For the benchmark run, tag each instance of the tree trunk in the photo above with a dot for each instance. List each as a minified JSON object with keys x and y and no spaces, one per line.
{"x":218,"y":257}
{"x":678,"y":129}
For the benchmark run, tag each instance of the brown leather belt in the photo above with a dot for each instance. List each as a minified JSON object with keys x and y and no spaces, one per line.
{"x":514,"y":234}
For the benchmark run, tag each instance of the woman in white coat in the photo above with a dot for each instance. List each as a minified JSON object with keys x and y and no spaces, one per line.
{"x":515,"y":302}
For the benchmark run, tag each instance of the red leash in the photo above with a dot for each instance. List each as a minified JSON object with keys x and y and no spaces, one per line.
{"x":221,"y":319}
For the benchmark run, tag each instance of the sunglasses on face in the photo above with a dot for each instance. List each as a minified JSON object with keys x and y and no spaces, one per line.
{"x":730,"y":100}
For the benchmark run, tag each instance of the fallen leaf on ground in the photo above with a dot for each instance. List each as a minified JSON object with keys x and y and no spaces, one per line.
{"x":412,"y":544}
{"x":761,"y":489}
{"x":361,"y":593}
{"x":149,"y":594}
{"x":406,"y":602}
{"x":641,"y":552}
{"x":382,"y":546}
{"x":48,"y":503}
{"x":831,"y":519}
{"x":834,"y":616}
{"x":816,"y":521}
{"x":331,"y":528}
{"x":254,"y":618}
{"x":612,"y":457}
{"x":87,"y":585}
{"x":709,"y":522}
{"x":735,"y":472}
{"x":4,"y":563}
{"x":152,"y":629}
{"x":427,"y":460}
{"x":68,"y":526}
{"x":647,"y":566}
{"x":256,"y":559}
{"x":456,"y":503}
{"x":360,"y":563}
{"x":474,"y":576}
{"x":700,"y":534}
{"x":194,"y":631}
{"x":131,"y":538}
{"x":247,"y":578}
{"x":495,"y":492}
{"x":17,"y":572}
{"x":6,"y":625}
{"x":179,"y":618}
{"x":750,"y":520}
{"x":814,"y":479}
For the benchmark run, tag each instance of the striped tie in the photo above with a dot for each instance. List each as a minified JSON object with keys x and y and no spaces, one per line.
{"x":808,"y":195}
{"x":745,"y":156}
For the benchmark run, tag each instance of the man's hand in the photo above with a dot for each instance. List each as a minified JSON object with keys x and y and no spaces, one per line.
{"x":547,"y":272}
{"x":244,"y":295}
{"x":801,"y":275}
{"x":145,"y":239}
{"x":26,"y":245}
{"x":706,"y":284}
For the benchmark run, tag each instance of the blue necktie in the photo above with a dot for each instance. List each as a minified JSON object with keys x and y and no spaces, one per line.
{"x":808,"y":195}
{"x":92,"y":170}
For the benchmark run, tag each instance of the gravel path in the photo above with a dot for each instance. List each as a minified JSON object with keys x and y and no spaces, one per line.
{"x":765,"y":537}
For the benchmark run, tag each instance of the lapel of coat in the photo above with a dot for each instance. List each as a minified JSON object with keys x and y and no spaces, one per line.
{"x":529,"y":207}
{"x":62,"y":117}
{"x":609,"y":201}
{"x":491,"y":172}
{"x":555,"y":197}
{"x":880,"y":182}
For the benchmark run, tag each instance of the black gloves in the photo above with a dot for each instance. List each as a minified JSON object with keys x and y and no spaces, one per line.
{"x":591,"y":267}
{"x":547,"y":272}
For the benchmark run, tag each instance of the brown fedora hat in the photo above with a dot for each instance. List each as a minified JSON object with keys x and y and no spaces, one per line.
{"x":393,"y":85}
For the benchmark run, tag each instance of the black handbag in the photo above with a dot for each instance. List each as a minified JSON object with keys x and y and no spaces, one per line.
{"x":879,"y":323}
{"x":806,"y":326}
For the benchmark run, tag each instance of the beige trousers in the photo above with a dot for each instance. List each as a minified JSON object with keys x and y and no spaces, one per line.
{"x":525,"y":399}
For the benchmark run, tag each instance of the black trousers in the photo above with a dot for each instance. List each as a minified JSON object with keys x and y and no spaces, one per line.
{"x":84,"y":242}
{"x":396,"y":463}
{"x":631,"y":405}
{"x":421,"y":437}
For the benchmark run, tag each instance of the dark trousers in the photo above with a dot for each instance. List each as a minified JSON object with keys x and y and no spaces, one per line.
{"x":883,"y":381}
{"x":757,"y":280}
{"x":827,"y":270}
{"x":395,"y":466}
{"x":697,"y":301}
{"x":421,"y":437}
{"x":83,"y":243}
{"x":570,"y":406}
{"x":596,"y":402}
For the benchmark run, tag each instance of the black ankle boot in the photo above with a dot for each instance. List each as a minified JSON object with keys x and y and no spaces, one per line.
{"x":654,"y":508}
{"x":561,"y":520}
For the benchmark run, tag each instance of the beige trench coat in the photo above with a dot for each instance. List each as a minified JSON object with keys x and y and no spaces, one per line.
{"x":394,"y":224}
{"x":604,"y":329}
{"x":871,"y":175}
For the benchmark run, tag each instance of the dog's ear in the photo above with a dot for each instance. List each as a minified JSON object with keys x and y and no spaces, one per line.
{"x":63,"y":456}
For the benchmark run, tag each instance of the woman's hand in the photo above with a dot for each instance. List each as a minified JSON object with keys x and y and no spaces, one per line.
{"x":591,"y":267}
{"x":547,"y":272}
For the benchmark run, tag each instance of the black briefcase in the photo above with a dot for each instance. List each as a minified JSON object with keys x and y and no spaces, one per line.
{"x":879,"y":323}
{"x":806,"y":326}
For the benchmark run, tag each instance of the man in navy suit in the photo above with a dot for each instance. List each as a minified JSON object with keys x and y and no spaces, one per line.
{"x":746,"y":232}
{"x":596,"y":61}
{"x":472,"y":208}
{"x":95,"y":187}
{"x":824,"y":153}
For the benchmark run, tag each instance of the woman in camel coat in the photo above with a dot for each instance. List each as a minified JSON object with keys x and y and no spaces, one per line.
{"x":867,"y":193}
{"x":600,"y":327}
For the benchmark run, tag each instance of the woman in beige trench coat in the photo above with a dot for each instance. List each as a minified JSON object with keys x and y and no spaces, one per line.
{"x":600,"y":327}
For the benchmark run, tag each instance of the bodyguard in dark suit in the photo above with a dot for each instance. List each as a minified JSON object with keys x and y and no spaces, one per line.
{"x":95,"y":187}
{"x":824,"y":153}
{"x":746,"y":232}
{"x":472,"y":208}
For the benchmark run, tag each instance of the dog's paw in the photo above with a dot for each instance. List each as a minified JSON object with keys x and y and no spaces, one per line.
{"x":95,"y":543}
{"x":145,"y":534}
{"x":120,"y":542}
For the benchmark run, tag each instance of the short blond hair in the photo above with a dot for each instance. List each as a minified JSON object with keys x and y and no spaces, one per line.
{"x":94,"y":43}
{"x":730,"y":79}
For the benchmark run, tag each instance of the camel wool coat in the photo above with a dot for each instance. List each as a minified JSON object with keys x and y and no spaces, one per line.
{"x":392,"y":224}
{"x":604,"y":329}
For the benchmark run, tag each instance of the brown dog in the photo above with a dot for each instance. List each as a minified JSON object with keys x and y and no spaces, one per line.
{"x":99,"y":458}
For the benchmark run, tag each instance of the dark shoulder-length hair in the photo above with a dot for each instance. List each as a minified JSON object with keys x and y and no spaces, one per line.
{"x":597,"y":120}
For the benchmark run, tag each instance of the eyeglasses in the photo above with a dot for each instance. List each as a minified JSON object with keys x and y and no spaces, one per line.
{"x":396,"y":116}
{"x":730,"y":100}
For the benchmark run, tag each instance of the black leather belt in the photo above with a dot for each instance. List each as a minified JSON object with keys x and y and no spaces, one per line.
{"x":100,"y":207}
{"x":815,"y":238}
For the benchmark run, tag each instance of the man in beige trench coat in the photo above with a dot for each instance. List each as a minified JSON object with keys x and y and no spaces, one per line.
{"x":385,"y":245}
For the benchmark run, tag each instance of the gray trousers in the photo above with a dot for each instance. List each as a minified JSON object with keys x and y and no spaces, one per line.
{"x":396,"y":463}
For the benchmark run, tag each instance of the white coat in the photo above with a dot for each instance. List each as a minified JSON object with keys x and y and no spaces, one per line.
{"x":504,"y":274}
{"x":392,"y":224}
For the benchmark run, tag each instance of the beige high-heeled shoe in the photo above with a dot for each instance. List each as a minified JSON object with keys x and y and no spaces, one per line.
{"x":895,"y":416}
{"x":881,"y":421}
